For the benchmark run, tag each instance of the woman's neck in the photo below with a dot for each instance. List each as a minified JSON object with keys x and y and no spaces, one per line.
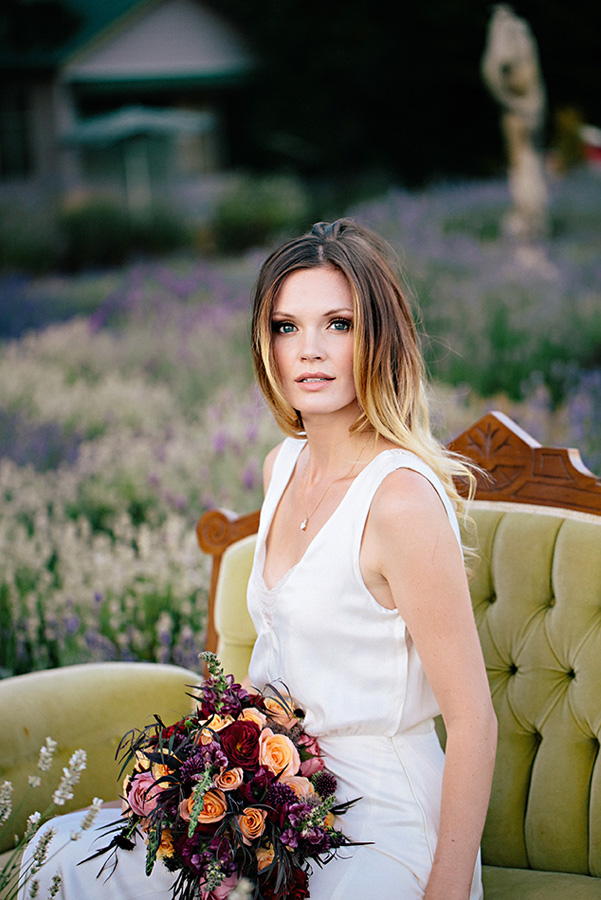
{"x":332,"y":449}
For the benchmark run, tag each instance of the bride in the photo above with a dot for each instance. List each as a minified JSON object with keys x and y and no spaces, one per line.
{"x":358,"y":590}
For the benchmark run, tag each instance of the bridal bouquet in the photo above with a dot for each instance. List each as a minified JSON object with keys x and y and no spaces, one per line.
{"x":235,"y":790}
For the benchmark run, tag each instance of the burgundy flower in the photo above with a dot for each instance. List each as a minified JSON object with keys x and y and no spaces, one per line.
{"x":296,"y":886}
{"x":240,"y":741}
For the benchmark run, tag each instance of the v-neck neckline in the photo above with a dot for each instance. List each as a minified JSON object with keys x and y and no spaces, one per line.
{"x":263,"y":548}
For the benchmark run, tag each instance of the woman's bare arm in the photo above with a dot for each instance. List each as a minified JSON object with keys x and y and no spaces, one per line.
{"x":419,"y":559}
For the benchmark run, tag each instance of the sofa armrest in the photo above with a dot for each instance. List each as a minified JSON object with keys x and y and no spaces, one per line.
{"x":85,"y":706}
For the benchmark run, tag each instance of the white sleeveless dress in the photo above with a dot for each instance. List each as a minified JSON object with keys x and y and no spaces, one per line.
{"x":350,"y":663}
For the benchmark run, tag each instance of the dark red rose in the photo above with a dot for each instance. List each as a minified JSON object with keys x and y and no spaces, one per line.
{"x":296,"y":886}
{"x":240,"y":743}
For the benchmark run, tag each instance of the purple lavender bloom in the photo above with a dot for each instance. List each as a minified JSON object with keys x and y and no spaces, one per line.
{"x":220,"y":441}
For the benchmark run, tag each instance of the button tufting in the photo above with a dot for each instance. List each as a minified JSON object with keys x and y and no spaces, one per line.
{"x":551,"y":602}
{"x":513,"y":669}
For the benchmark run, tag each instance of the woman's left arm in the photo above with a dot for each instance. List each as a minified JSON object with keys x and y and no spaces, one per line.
{"x":420,"y":561}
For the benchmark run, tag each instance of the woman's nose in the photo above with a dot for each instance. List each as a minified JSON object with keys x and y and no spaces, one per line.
{"x":311,"y":346}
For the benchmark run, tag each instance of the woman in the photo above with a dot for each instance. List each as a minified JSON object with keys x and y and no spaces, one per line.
{"x":358,"y":590}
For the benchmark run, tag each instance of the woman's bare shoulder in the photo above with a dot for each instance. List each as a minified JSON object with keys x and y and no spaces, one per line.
{"x":405,"y":491}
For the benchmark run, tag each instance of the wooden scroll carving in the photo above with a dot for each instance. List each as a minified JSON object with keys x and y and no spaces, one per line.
{"x":520,"y":470}
{"x":216,"y":530}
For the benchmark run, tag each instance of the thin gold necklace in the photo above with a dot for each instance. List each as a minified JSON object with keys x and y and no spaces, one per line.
{"x":304,"y":524}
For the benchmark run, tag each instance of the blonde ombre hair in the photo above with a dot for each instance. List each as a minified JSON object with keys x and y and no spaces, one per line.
{"x":388,"y":363}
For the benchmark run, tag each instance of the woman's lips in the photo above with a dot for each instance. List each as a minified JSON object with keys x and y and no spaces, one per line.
{"x":313,"y":381}
{"x":311,"y":377}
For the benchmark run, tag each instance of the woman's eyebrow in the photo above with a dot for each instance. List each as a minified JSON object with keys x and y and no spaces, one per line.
{"x":345,"y":310}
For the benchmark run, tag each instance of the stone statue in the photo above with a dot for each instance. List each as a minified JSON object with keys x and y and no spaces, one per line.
{"x":511,"y":71}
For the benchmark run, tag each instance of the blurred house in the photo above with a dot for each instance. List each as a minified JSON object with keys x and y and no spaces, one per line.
{"x":131,"y":97}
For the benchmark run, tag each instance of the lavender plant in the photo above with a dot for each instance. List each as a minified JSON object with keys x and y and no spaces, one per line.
{"x":120,"y":426}
{"x":14,"y":876}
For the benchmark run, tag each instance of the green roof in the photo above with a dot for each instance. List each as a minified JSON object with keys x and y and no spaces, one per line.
{"x":81,"y":22}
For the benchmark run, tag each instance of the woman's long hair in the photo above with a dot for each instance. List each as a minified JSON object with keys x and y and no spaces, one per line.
{"x":388,"y":363}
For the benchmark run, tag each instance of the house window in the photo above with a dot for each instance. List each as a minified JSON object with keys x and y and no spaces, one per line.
{"x":15,"y":137}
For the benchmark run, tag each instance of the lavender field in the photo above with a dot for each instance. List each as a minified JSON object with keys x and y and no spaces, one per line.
{"x":127,"y":407}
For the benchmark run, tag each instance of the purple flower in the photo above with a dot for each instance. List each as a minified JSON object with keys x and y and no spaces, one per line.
{"x":289,"y":838}
{"x":220,"y":441}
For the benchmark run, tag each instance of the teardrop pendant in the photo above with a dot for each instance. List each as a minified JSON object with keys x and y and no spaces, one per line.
{"x":303,"y":524}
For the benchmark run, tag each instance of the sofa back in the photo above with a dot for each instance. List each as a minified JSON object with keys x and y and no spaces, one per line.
{"x":537,"y":602}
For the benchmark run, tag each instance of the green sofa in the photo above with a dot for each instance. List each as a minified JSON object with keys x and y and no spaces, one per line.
{"x":536,"y":595}
{"x":86,"y":706}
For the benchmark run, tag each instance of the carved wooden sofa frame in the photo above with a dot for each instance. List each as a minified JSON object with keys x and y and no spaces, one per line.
{"x":537,"y":602}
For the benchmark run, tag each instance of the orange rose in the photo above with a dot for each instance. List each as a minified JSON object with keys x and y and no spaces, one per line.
{"x":165,"y":848}
{"x":252,"y":823}
{"x":278,"y":754}
{"x":142,"y":761}
{"x":254,"y":715}
{"x":301,"y":786}
{"x":280,"y":713}
{"x":264,"y":857}
{"x":213,"y":809}
{"x":215,"y":723}
{"x":229,"y":779}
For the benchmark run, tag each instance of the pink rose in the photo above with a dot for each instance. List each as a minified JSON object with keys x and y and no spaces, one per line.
{"x":314,"y":763}
{"x":143,"y":793}
{"x":222,"y":891}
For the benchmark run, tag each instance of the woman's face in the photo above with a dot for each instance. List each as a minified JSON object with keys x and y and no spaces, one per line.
{"x":312,"y":326}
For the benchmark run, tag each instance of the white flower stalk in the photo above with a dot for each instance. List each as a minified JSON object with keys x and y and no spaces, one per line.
{"x":6,"y":806}
{"x":34,"y":889}
{"x":34,"y":781}
{"x":33,"y":823}
{"x":71,"y":775}
{"x":54,"y":887}
{"x":47,"y":754}
{"x":41,"y":851}
{"x":91,"y":814}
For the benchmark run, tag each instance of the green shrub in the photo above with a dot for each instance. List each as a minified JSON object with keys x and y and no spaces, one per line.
{"x":27,"y":243}
{"x":255,"y":210}
{"x":103,"y":232}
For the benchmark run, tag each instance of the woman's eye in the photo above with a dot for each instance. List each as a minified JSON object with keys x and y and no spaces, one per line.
{"x":282,"y":327}
{"x":341,"y":324}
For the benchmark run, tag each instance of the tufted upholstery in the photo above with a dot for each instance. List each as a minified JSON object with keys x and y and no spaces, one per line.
{"x":536,"y":593}
{"x":537,"y":602}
